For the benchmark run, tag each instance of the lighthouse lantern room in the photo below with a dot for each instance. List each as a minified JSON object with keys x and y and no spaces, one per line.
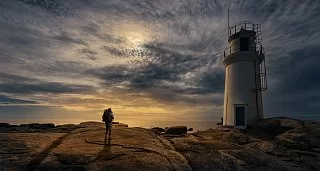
{"x":245,"y":77}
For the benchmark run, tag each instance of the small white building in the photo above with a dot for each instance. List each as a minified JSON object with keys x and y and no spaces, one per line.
{"x":245,"y":77}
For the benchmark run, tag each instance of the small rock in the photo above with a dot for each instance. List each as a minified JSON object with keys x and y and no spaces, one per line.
{"x":190,"y":129}
{"x":176,"y":130}
{"x":121,"y":125}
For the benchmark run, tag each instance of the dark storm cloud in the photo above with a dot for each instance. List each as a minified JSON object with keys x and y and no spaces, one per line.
{"x":168,"y":58}
{"x":112,"y":74}
{"x":22,"y":37}
{"x":91,"y":28}
{"x":56,"y":7}
{"x":152,"y":76}
{"x":90,"y":54}
{"x":16,"y":84}
{"x":8,"y":100}
{"x":67,"y":38}
{"x":29,"y":88}
{"x":165,"y":9}
{"x":115,"y":51}
{"x":211,"y":82}
{"x":304,"y":69}
{"x":11,"y":78}
{"x":298,"y":90}
{"x":56,"y":68}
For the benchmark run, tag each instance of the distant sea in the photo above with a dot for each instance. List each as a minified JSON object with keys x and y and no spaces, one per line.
{"x":196,"y":125}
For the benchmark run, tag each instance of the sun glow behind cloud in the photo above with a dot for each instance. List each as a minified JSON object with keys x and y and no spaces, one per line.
{"x":135,"y":34}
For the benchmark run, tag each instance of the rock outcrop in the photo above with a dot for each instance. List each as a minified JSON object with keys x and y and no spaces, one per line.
{"x":176,"y":130}
{"x":83,"y":149}
{"x":294,"y":146}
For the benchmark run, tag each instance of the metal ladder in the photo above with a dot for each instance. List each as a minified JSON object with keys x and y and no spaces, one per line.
{"x":258,"y":39}
{"x":260,"y":72}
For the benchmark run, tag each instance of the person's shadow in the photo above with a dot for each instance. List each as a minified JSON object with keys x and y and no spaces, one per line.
{"x":105,"y":141}
{"x":106,"y":151}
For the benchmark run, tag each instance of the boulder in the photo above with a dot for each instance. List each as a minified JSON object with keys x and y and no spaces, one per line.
{"x":190,"y":129}
{"x":4,"y":125}
{"x":158,"y":129}
{"x":176,"y":130}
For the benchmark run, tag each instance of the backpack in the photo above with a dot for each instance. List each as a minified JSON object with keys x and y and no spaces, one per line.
{"x":107,"y":117}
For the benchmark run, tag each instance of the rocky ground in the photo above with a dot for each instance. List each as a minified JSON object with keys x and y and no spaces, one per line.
{"x":273,"y":144}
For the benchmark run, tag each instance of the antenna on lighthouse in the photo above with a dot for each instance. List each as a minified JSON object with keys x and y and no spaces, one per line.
{"x":228,"y":20}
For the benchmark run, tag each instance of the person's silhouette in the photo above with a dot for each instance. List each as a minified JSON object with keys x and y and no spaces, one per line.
{"x":107,"y":118}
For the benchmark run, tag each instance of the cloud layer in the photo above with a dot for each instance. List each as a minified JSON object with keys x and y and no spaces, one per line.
{"x":160,"y":57}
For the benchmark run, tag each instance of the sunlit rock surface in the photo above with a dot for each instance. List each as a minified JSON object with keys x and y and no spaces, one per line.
{"x":294,"y":146}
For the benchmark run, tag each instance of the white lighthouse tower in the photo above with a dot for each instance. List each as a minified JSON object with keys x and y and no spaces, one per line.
{"x":245,"y":77}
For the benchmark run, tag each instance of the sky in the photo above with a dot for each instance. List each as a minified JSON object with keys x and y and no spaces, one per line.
{"x":149,"y":59}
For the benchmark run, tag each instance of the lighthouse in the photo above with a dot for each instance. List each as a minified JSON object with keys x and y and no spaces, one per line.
{"x":245,"y":78}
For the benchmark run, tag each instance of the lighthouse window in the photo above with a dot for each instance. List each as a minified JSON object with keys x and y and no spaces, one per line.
{"x":244,"y":44}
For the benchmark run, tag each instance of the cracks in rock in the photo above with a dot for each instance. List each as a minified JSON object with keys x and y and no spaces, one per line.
{"x":175,"y":149}
{"x":185,"y":150}
{"x":136,"y":148}
{"x":166,"y":146}
{"x":80,"y":131}
{"x":171,"y":142}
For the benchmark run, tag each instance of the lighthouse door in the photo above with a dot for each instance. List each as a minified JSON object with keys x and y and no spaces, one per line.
{"x":240,"y":117}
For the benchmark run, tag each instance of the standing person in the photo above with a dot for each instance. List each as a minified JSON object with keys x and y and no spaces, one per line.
{"x":107,"y":118}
